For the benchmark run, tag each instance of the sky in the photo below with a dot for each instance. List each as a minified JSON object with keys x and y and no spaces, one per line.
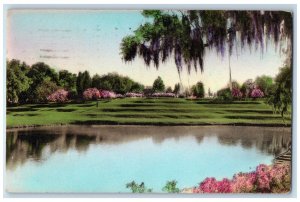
{"x":78,"y":40}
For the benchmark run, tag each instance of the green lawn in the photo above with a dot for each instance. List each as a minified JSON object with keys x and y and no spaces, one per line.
{"x":162,"y":111}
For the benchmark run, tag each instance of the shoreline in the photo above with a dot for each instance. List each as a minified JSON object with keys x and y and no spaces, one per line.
{"x":147,"y":124}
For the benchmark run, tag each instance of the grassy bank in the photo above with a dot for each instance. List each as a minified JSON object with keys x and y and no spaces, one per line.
{"x":163,"y":111}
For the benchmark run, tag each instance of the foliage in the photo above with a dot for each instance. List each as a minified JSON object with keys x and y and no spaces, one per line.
{"x":107,"y":94}
{"x":138,"y":188}
{"x":43,"y":90}
{"x":169,"y":90}
{"x":91,"y":94}
{"x":17,"y":82}
{"x":170,"y":187}
{"x":198,"y":90}
{"x":176,"y":89}
{"x":235,"y":84}
{"x":186,"y":35}
{"x":83,"y":82}
{"x":67,"y":80}
{"x":60,"y":96}
{"x":236,"y":93}
{"x":247,"y":87}
{"x":281,"y":95}
{"x":265,"y":179}
{"x":224,"y":94}
{"x":117,"y":83}
{"x":257,"y":93}
{"x":41,"y":74}
{"x":264,"y":83}
{"x":158,"y":85}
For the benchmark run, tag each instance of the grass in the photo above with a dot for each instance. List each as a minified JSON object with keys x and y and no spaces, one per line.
{"x":145,"y":111}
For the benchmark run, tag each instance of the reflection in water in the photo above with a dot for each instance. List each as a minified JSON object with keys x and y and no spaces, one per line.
{"x":39,"y":143}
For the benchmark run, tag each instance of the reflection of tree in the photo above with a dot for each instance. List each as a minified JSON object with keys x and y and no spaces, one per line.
{"x":83,"y":141}
{"x":25,"y":144}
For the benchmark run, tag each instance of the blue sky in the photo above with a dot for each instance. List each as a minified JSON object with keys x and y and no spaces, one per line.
{"x":79,"y":40}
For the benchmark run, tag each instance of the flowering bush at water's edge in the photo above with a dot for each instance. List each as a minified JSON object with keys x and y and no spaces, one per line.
{"x":265,"y":179}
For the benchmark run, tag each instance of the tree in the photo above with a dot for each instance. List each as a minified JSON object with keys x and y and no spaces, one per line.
{"x":40,"y":73}
{"x":176,"y":88}
{"x":264,"y":83}
{"x":137,"y":188}
{"x":83,"y":82}
{"x":43,"y":90}
{"x":247,"y":87}
{"x":186,"y":35}
{"x":96,"y":80}
{"x":198,"y":90}
{"x":67,"y":80}
{"x":280,"y":98}
{"x":170,"y":187}
{"x":158,"y":85}
{"x":17,"y":82}
{"x":169,"y":90}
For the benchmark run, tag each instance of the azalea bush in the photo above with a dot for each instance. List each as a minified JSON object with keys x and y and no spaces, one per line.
{"x":60,"y":95}
{"x":265,"y":179}
{"x":236,"y":93}
{"x":163,"y":95}
{"x":107,"y":94}
{"x":134,"y":95}
{"x":91,"y":94}
{"x":257,"y":93}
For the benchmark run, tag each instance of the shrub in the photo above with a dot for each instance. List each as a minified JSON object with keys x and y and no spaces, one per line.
{"x":137,"y":188}
{"x":257,"y":93}
{"x":163,"y":95}
{"x":60,"y":95}
{"x":236,"y":93}
{"x":107,"y":94}
{"x":224,"y":94}
{"x":91,"y":94}
{"x":133,"y":95}
{"x":170,"y":187}
{"x":265,"y":179}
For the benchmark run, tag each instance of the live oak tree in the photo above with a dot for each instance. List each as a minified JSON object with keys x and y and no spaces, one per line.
{"x":186,"y":35}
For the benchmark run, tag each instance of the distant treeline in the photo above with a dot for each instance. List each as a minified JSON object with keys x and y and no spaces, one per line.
{"x":32,"y":84}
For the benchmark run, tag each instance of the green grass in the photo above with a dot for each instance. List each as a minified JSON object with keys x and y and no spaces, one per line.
{"x":162,"y":111}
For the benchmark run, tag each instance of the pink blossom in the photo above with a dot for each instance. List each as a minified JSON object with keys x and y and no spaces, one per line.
{"x":265,"y":179}
{"x":257,"y":93}
{"x":60,"y":95}
{"x":236,"y":93}
{"x":107,"y":94}
{"x":91,"y":94}
{"x":134,"y":95}
{"x":163,"y":95}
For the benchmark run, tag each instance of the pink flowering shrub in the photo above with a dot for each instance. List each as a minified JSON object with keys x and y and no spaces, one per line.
{"x":257,"y":93}
{"x":211,"y":185}
{"x":163,"y":95}
{"x":236,"y":93}
{"x":60,"y":95}
{"x":91,"y":94}
{"x":107,"y":94}
{"x":265,"y":179}
{"x":134,"y":95}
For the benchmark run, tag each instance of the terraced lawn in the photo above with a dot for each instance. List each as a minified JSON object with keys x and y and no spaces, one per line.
{"x":150,"y":111}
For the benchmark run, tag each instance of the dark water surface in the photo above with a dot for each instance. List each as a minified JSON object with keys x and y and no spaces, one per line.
{"x":105,"y":158}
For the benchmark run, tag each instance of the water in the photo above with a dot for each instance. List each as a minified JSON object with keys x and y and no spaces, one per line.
{"x":105,"y":158}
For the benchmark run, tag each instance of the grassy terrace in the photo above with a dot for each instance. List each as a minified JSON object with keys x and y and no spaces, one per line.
{"x":161,"y":111}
